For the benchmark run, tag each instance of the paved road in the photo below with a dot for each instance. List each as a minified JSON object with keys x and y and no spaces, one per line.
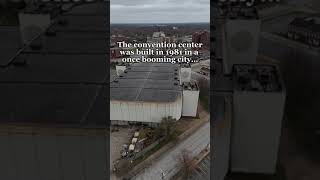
{"x":167,"y":164}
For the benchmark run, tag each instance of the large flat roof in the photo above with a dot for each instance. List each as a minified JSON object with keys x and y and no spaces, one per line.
{"x":65,"y":81}
{"x":90,"y":9}
{"x":149,"y":82}
{"x":75,"y":33}
{"x":94,"y":22}
{"x":47,"y":103}
{"x":72,"y":42}
{"x":59,"y":68}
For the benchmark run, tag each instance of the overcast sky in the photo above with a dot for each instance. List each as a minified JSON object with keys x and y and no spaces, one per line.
{"x":159,"y":11}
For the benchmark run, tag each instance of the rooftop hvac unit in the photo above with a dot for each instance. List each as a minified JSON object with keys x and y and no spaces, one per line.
{"x":120,"y":69}
{"x":185,"y":74}
{"x":32,"y":25}
{"x":241,"y":41}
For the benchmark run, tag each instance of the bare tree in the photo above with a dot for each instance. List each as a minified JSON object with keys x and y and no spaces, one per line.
{"x":186,"y":163}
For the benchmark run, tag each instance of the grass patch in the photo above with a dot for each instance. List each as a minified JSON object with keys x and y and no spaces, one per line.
{"x":125,"y":165}
{"x":172,"y":138}
{"x":150,"y":152}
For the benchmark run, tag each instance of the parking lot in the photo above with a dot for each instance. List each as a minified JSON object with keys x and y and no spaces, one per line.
{"x":117,"y":139}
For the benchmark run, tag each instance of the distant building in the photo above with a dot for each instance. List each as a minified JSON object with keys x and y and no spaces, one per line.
{"x":170,"y":39}
{"x":306,"y":30}
{"x":115,"y":53}
{"x":157,"y":37}
{"x":185,"y":38}
{"x":118,"y":38}
{"x":158,"y":34}
{"x":201,"y":37}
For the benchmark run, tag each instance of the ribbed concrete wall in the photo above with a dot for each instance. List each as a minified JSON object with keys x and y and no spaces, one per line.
{"x":148,"y":112}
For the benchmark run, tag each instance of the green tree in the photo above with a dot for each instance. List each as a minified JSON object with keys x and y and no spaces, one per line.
{"x":166,"y":128}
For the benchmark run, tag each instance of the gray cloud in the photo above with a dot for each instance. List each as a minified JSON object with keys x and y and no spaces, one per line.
{"x":159,"y":11}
